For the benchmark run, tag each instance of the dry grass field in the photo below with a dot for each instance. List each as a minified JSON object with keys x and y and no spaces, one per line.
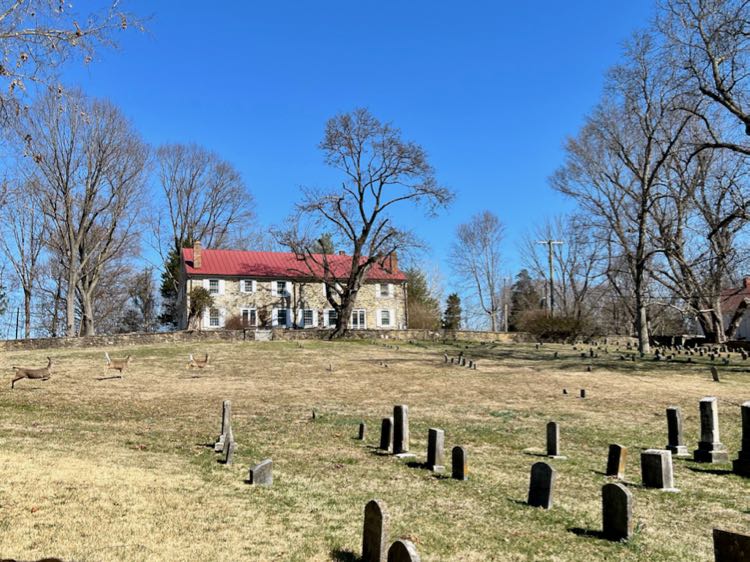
{"x":98,"y":468}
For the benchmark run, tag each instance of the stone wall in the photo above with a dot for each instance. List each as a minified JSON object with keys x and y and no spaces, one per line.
{"x":249,"y":335}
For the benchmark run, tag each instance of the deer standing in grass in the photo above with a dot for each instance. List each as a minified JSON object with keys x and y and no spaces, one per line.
{"x":118,"y":365}
{"x":42,"y":373}
{"x":197,"y":363}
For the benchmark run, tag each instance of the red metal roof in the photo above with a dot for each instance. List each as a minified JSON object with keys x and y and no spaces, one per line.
{"x":731,"y":298}
{"x":282,"y":265}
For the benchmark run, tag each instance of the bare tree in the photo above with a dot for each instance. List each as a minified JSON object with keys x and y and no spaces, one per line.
{"x":578,"y":262}
{"x":381,"y":172}
{"x":92,"y":168}
{"x":698,"y":224}
{"x":475,"y":258}
{"x":24,"y":237}
{"x":615,"y":167}
{"x":38,"y":36}
{"x":708,"y":42}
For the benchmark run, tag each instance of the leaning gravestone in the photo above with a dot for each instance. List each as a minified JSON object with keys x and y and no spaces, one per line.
{"x":386,"y":435}
{"x":656,"y":470}
{"x":459,"y":464}
{"x":226,"y":425}
{"x":741,"y":465}
{"x":436,"y":450}
{"x":401,"y":430}
{"x":229,"y":447}
{"x":616,"y":460}
{"x":541,"y":485}
{"x":731,"y":547}
{"x":617,"y":512}
{"x":262,"y":473}
{"x":403,"y":551}
{"x":375,"y":532}
{"x":710,"y":448}
{"x":715,"y":374}
{"x":676,"y":439}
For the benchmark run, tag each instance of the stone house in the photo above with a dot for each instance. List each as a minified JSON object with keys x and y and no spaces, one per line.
{"x":734,"y":305}
{"x":276,"y":289}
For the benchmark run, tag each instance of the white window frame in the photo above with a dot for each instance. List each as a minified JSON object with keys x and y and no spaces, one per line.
{"x":390,"y":318}
{"x":327,"y":317}
{"x":379,"y":291}
{"x":275,"y":288}
{"x":243,"y":286}
{"x":211,"y":317}
{"x":313,"y":318}
{"x":218,"y":286}
{"x":287,"y":317}
{"x":249,"y":310}
{"x":351,"y":319}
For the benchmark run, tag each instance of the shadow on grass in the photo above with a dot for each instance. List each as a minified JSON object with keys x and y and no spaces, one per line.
{"x":581,"y":532}
{"x":535,"y":454}
{"x":342,"y":555}
{"x":109,"y":378}
{"x":716,"y":471}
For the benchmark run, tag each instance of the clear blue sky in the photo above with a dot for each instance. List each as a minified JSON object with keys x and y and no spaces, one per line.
{"x":490,"y":89}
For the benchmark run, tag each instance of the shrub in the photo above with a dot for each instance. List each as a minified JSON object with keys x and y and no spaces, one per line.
{"x":555,"y":328}
{"x":200,"y":300}
{"x":235,"y":323}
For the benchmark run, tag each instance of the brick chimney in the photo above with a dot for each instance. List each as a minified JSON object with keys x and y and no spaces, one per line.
{"x":197,"y":257}
{"x":392,"y":263}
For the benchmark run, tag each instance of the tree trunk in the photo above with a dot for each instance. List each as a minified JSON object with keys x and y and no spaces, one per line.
{"x":641,"y":325}
{"x":345,"y":312}
{"x":27,"y":313}
{"x":87,"y":320}
{"x":70,"y":306}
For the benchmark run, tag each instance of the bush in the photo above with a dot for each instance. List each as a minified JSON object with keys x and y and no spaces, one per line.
{"x":200,"y":300}
{"x":234,"y":323}
{"x":555,"y":328}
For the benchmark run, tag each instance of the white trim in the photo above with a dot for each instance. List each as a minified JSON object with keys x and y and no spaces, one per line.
{"x":351,"y":322}
{"x":274,"y":317}
{"x":377,"y":291}
{"x":243,"y":288}
{"x":248,"y":310}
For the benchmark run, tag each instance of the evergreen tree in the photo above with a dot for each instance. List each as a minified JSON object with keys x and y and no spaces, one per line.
{"x":423,"y":309}
{"x":524,"y":296}
{"x":170,"y":278}
{"x":452,"y":315}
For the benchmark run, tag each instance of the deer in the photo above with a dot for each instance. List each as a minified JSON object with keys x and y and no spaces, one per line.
{"x":118,"y":365}
{"x":194,"y":363}
{"x":42,"y":373}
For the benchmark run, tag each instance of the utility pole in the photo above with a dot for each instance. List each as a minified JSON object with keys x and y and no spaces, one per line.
{"x":551,"y":297}
{"x":18,"y":312}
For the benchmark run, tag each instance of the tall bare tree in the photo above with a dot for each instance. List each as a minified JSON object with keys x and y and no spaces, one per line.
{"x":475,"y":258}
{"x":24,"y":236}
{"x":381,"y":172}
{"x":38,"y":36}
{"x":615,"y":167}
{"x":708,"y":43}
{"x":92,"y":168}
{"x":578,"y":262}
{"x":698,"y":225}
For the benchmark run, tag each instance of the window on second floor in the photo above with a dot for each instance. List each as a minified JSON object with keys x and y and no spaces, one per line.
{"x":246,"y":285}
{"x":213,"y":286}
{"x":281,"y":288}
{"x":385,"y":290}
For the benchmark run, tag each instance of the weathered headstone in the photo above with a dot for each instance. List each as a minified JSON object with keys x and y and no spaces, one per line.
{"x":617,"y":512}
{"x":583,"y":393}
{"x":386,"y":435}
{"x":710,"y":448}
{"x":675,"y":437}
{"x":375,"y":532}
{"x":742,"y":464}
{"x":553,"y":440}
{"x":459,"y":464}
{"x":616,"y":460}
{"x":229,"y":447}
{"x":656,"y":469}
{"x":226,"y":424}
{"x":262,"y":473}
{"x":715,"y":373}
{"x":541,"y":485}
{"x":436,"y":450}
{"x":403,"y":551}
{"x":362,"y":430}
{"x":400,"y":429}
{"x":731,"y":547}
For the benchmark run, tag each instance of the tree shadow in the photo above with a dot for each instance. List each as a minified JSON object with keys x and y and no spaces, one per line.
{"x":518,"y":502}
{"x":716,"y":471}
{"x":581,"y":532}
{"x":344,"y":555}
{"x":109,"y":378}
